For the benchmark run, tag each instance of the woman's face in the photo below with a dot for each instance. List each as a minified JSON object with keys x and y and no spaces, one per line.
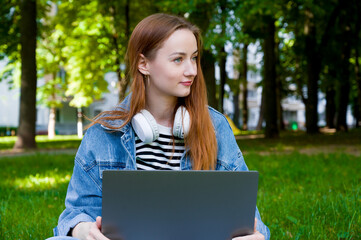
{"x":174,"y":67}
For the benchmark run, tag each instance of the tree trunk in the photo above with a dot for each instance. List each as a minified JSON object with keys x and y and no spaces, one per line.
{"x":80,"y":122}
{"x":127,"y":21}
{"x":201,"y":16}
{"x":223,"y":73}
{"x":279,"y":97}
{"x":270,"y":80}
{"x":27,"y":118}
{"x":344,"y":88}
{"x":245,"y":88}
{"x":261,"y":111}
{"x":357,"y":113}
{"x":236,"y":96}
{"x":280,"y":122}
{"x":124,"y":82}
{"x":208,"y":68}
{"x":222,"y":53}
{"x":357,"y":64}
{"x":236,"y":105}
{"x":51,"y":124}
{"x":358,"y":81}
{"x":52,"y":112}
{"x":330,"y":107}
{"x":313,"y":72}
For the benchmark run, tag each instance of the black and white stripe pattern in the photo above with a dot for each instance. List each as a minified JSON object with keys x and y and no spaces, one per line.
{"x":159,"y":155}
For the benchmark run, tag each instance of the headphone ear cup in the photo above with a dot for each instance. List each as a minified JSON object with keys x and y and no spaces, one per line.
{"x":182,"y":123}
{"x":145,"y":126}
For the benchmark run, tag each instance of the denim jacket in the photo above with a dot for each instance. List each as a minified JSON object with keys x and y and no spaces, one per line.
{"x":102,"y":149}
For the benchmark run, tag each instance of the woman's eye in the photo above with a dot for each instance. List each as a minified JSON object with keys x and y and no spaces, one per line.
{"x":178,"y":60}
{"x":194,"y":58}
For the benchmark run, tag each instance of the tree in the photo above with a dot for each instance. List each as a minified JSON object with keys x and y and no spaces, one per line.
{"x":318,"y":20}
{"x":244,"y":32}
{"x":270,"y":79}
{"x":280,"y":82}
{"x":268,"y":12}
{"x":222,"y":54}
{"x":357,"y":63}
{"x":344,"y":81}
{"x":245,"y":87}
{"x":201,"y":15}
{"x":27,"y":118}
{"x":50,"y":62}
{"x":240,"y":83}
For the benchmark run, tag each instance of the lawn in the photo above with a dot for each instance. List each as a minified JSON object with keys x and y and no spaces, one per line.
{"x":32,"y":192}
{"x":42,"y":141}
{"x":302,"y":195}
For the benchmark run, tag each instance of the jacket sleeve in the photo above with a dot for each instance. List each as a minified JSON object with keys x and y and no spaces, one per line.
{"x":231,"y":157}
{"x":83,"y":200}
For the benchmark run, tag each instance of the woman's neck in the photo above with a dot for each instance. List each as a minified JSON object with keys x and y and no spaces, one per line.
{"x":162,"y":109}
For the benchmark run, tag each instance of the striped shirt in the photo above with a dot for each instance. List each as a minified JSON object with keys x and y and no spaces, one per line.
{"x":159,"y":155}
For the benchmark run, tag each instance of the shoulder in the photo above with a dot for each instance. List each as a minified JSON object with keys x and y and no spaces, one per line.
{"x":219,"y":121}
{"x":100,"y":135}
{"x":97,"y":143}
{"x":95,"y":132}
{"x":229,"y":156}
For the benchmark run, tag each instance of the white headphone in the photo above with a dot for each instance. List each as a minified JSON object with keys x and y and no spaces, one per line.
{"x":146,"y":127}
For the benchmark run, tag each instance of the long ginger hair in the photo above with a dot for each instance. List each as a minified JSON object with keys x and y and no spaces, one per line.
{"x":147,"y":37}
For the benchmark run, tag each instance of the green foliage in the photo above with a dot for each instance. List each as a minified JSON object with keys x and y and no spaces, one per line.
{"x":9,"y":42}
{"x":9,"y":29}
{"x":50,"y":60}
{"x":83,"y":49}
{"x":87,"y":39}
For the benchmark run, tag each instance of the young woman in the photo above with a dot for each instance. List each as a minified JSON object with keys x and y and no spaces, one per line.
{"x":164,"y":123}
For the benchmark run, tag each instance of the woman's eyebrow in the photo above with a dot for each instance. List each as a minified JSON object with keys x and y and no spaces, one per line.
{"x":182,"y":53}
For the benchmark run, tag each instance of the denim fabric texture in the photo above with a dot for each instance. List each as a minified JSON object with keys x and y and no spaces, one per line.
{"x":102,"y":149}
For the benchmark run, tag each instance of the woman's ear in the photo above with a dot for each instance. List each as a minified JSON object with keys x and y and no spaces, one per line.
{"x":143,"y":65}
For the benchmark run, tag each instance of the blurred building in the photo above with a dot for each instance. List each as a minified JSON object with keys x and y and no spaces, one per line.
{"x":66,"y":116}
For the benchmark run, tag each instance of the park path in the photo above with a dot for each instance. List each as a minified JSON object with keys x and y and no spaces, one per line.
{"x":14,"y":153}
{"x":353,"y":150}
{"x":323,"y":149}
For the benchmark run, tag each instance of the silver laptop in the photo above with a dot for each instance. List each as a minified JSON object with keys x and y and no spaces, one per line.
{"x":178,"y":205}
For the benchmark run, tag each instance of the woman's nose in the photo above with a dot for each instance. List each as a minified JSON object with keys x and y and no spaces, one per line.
{"x":190,"y":69}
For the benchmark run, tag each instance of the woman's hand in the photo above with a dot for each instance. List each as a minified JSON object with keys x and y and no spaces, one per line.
{"x":89,"y":230}
{"x":255,"y":236}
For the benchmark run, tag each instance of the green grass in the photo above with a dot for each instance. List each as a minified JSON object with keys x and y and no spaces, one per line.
{"x":59,"y":142}
{"x":309,"y":197}
{"x":32,"y":193}
{"x":301,"y":196}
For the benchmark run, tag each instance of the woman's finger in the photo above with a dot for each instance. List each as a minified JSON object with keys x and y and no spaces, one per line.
{"x":99,"y":222}
{"x":255,"y":236}
{"x":95,"y":233}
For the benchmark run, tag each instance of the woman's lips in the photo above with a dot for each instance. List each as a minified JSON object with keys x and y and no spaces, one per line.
{"x":187,"y":83}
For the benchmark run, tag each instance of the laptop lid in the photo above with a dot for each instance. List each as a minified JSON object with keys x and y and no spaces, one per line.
{"x":178,"y":205}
